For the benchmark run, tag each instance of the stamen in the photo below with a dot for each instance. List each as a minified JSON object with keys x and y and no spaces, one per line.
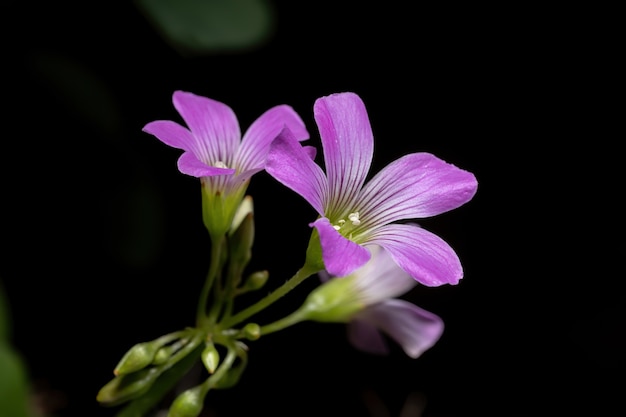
{"x":354,"y":218}
{"x":219,"y":164}
{"x":339,"y":224}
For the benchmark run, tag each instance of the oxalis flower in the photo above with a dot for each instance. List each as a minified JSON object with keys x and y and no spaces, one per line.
{"x":354,"y":214}
{"x":215,"y":151}
{"x":366,"y":301}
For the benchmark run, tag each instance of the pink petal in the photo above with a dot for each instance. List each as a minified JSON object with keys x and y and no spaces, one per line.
{"x":413,"y":328}
{"x":416,"y":186}
{"x":363,"y":336}
{"x":348,"y":144}
{"x":172,"y":134}
{"x":190,"y":165}
{"x":257,"y":139}
{"x":213,"y":124}
{"x":424,"y":255}
{"x":290,"y":164}
{"x":341,"y":256}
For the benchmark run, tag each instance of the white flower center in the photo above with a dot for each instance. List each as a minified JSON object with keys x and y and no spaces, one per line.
{"x":219,"y":164}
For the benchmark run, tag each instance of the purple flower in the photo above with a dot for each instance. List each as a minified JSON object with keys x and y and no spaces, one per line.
{"x":366,"y":301}
{"x":215,"y":151}
{"x":354,"y":214}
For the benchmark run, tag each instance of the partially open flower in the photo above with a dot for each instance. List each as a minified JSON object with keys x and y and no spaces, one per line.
{"x":366,"y":301}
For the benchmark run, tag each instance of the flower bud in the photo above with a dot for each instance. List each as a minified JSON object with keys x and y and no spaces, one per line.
{"x":162,"y":355}
{"x":137,"y":357}
{"x":210,"y":357}
{"x":189,"y":403}
{"x":126,"y":387}
{"x":255,"y":281}
{"x":251,"y":331}
{"x":241,"y":241}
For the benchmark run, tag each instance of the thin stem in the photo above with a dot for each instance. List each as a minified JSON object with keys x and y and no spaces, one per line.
{"x":216,"y":249}
{"x":303,"y":273}
{"x":294,"y":318}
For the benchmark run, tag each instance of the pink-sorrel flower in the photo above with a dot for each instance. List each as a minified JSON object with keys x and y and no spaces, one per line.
{"x":215,"y":151}
{"x":354,"y":214}
{"x":367,"y":301}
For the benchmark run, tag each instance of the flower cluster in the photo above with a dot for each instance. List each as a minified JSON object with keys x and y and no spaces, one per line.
{"x":364,"y":243}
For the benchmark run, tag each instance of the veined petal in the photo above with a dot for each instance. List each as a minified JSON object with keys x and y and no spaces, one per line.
{"x":172,"y":134}
{"x":213,"y":124}
{"x":366,"y":337}
{"x":290,"y":164}
{"x":348,"y":143}
{"x":424,"y":255}
{"x":381,"y":278}
{"x":257,"y":139}
{"x":190,"y":165}
{"x":415,"y":186}
{"x":341,"y":256}
{"x":413,"y":328}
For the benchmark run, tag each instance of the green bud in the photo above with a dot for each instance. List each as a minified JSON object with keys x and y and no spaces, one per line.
{"x":251,"y":331}
{"x":162,"y":355}
{"x":137,"y":357}
{"x":246,"y":207}
{"x":336,"y":301}
{"x":241,"y":241}
{"x":210,"y":357}
{"x":189,"y":403}
{"x":255,"y":281}
{"x":126,"y":387}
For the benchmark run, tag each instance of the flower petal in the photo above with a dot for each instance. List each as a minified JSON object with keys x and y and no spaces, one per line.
{"x":213,"y":124}
{"x":190,"y":165}
{"x":366,"y":337}
{"x":424,"y":255}
{"x":413,"y":328}
{"x":171,"y":133}
{"x":290,"y":164}
{"x":257,"y":139}
{"x":341,"y":256}
{"x":415,"y":186}
{"x":348,"y":143}
{"x":381,"y":278}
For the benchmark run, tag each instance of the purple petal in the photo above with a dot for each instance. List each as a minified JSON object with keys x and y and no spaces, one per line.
{"x":190,"y":165}
{"x":172,"y":134}
{"x":257,"y":139}
{"x":413,"y":328}
{"x":415,"y":186}
{"x":348,"y":145}
{"x":381,"y":278}
{"x":424,"y":255}
{"x":366,"y":337}
{"x":341,"y":256}
{"x":292,"y":166}
{"x":213,"y":124}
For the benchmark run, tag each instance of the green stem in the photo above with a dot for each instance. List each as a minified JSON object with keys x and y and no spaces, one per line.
{"x":294,"y":318}
{"x":216,"y":251}
{"x":306,"y":271}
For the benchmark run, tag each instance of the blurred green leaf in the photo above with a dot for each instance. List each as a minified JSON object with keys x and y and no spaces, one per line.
{"x":80,"y":89}
{"x":196,"y":27}
{"x":13,"y":381}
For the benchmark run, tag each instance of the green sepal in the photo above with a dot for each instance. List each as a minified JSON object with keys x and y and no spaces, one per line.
{"x":314,"y":259}
{"x":334,"y":301}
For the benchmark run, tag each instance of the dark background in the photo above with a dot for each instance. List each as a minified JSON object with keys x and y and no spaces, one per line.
{"x":104,"y":247}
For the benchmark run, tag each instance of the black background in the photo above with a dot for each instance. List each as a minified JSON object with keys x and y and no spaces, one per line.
{"x":104,"y":247}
